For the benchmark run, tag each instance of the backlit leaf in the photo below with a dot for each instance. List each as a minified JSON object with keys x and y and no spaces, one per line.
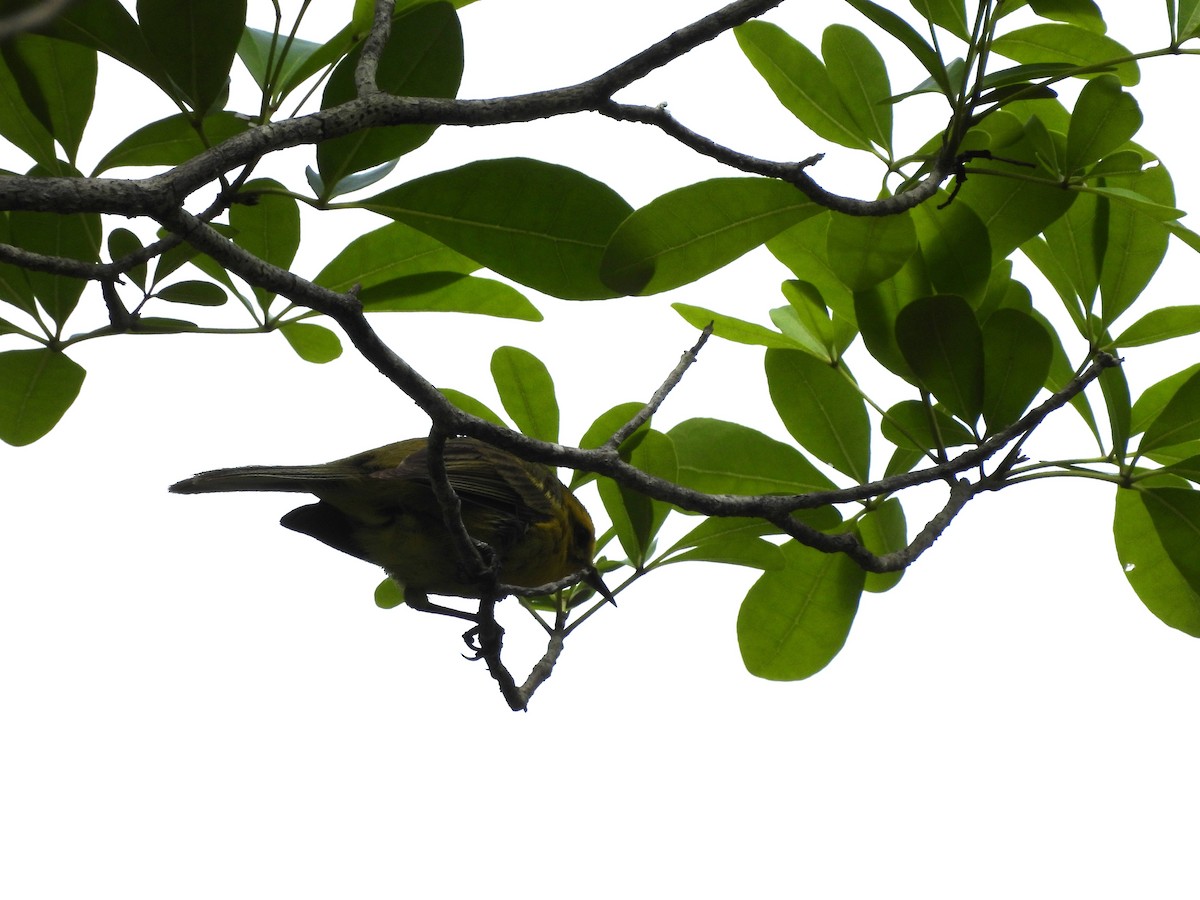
{"x":1016,"y":360}
{"x":865,"y":250}
{"x":36,"y":388}
{"x":526,"y":392}
{"x":542,"y":225}
{"x":794,"y":620}
{"x":800,"y":81}
{"x":1149,"y":568}
{"x":684,"y":235}
{"x":821,"y":409}
{"x":943,"y":344}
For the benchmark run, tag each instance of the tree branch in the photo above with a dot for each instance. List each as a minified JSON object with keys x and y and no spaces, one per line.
{"x":347,"y":312}
{"x":793,"y":172}
{"x":656,"y":400}
{"x":368,"y":60}
{"x":155,"y":195}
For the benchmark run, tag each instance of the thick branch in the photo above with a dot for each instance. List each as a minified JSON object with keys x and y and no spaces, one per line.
{"x":372,"y":49}
{"x":347,"y":312}
{"x":154,"y":195}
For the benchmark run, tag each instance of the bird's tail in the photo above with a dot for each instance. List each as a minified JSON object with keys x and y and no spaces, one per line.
{"x":295,"y":479}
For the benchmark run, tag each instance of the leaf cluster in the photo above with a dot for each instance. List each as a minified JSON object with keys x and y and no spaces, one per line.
{"x":918,"y":280}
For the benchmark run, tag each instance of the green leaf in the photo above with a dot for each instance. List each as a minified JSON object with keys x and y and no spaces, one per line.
{"x":312,"y":343}
{"x":1188,"y":468}
{"x":469,"y":404}
{"x":1148,"y":566}
{"x":161,"y":325}
{"x":1004,"y":292}
{"x":14,"y":281}
{"x":1160,"y":212}
{"x":821,"y":409}
{"x":175,"y":258}
{"x":1105,"y":117}
{"x":1014,"y":210}
{"x":121,"y":243}
{"x":19,"y":125}
{"x":526,"y":392}
{"x":1189,"y":19}
{"x":1084,"y":13}
{"x":1123,"y":162}
{"x":75,"y":236}
{"x":636,"y":517}
{"x":950,"y":14}
{"x":449,"y":292}
{"x":1066,"y":43}
{"x":910,"y":38}
{"x":63,"y":75}
{"x":542,"y":225}
{"x":726,"y":458}
{"x":865,"y":250}
{"x":876,"y":310}
{"x":1075,"y":243}
{"x":1136,"y":243}
{"x":303,"y":66}
{"x":883,"y":530}
{"x":1115,"y":388}
{"x":424,"y":58}
{"x":1050,"y":262}
{"x":195,"y":42}
{"x":268,"y":227}
{"x":942,"y":343}
{"x":1062,"y":371}
{"x":684,"y":235}
{"x":172,"y":141}
{"x":954,"y":72}
{"x":956,"y":249}
{"x":1179,"y":421}
{"x":1016,"y":360}
{"x":106,"y":25}
{"x":903,"y":460}
{"x":806,"y":321}
{"x":607,"y":424}
{"x":804,"y":249}
{"x":1160,"y":325}
{"x":351,"y":183}
{"x":36,"y":388}
{"x":1156,"y":397}
{"x":1050,"y":146}
{"x":731,"y":329}
{"x":260,"y":49}
{"x":197,"y":293}
{"x":910,"y":425}
{"x":387,"y":253}
{"x":734,"y":541}
{"x":801,"y":82}
{"x":1175,"y":513}
{"x":860,"y":79}
{"x":794,"y":620}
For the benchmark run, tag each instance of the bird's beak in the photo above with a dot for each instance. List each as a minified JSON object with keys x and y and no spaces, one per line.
{"x":592,"y":579}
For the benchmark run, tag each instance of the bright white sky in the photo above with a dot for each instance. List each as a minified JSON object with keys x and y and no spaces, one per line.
{"x":198,"y":703}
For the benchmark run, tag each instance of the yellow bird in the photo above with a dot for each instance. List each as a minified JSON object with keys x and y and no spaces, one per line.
{"x":379,"y":506}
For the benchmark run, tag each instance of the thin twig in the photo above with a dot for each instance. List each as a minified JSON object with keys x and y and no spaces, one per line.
{"x":656,"y":400}
{"x":791,"y":172}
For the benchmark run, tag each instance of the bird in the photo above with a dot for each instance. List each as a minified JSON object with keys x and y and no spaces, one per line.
{"x":380,"y":506}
